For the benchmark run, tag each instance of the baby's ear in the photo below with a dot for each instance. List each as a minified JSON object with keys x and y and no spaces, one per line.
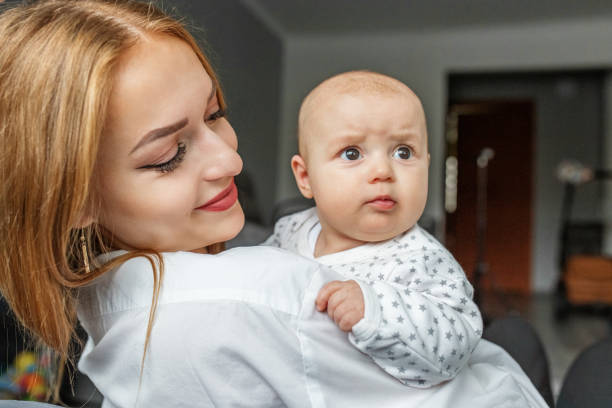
{"x":300,"y":172}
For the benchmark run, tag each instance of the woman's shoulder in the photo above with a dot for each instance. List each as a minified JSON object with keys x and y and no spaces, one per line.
{"x":236,"y":260}
{"x":263,"y":275}
{"x":244,"y":269}
{"x":242,"y":262}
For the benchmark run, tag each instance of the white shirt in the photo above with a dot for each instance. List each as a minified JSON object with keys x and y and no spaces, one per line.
{"x":420,"y":324}
{"x":240,"y":329}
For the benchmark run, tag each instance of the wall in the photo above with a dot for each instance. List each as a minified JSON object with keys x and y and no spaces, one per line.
{"x":423,"y":61}
{"x":247,"y":57}
{"x":607,"y":161}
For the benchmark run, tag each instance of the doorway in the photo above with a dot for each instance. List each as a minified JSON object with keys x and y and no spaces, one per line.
{"x":567,"y":124}
{"x":506,"y":129}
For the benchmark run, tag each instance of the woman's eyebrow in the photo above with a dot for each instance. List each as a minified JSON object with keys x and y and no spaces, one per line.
{"x":161,"y":132}
{"x":168,"y":130}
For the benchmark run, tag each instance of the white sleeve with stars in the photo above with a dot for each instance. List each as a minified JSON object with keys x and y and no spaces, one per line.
{"x":290,"y":232}
{"x":420,"y":322}
{"x":280,"y":230}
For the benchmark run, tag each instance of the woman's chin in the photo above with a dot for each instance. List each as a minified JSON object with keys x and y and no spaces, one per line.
{"x":235,"y":226}
{"x":231,"y":225}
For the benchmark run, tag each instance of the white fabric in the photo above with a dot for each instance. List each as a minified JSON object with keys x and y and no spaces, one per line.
{"x":420,"y":324}
{"x":240,"y":329}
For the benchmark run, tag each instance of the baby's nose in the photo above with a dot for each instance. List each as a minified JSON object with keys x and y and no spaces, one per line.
{"x":381,"y":170}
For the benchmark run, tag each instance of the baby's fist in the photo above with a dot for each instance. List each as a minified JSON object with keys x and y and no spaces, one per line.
{"x":343,"y":301}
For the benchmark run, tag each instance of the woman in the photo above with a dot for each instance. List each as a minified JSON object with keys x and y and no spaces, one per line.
{"x":116,"y":150}
{"x":83,"y":164}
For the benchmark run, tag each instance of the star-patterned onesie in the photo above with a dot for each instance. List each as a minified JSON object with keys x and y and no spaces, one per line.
{"x":420,"y":324}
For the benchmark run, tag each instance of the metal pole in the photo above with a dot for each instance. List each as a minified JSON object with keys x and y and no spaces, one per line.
{"x":482,"y":163}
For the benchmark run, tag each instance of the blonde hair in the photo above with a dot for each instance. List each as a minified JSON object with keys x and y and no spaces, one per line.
{"x":56,"y":73}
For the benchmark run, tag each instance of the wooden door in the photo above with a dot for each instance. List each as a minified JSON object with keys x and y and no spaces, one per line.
{"x":507,"y":129}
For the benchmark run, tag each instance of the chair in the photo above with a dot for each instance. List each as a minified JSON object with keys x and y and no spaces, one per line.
{"x":521,"y":341}
{"x":588,"y":382}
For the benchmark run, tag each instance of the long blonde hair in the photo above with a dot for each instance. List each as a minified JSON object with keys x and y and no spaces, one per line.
{"x":56,"y":73}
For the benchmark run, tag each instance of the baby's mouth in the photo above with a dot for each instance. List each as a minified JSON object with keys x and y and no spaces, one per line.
{"x":384,"y":203}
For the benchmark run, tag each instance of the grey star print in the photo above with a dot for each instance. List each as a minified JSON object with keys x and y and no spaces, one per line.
{"x":420,"y":321}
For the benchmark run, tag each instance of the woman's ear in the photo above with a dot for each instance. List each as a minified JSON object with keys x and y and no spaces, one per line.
{"x":84,"y":221}
{"x":300,"y":172}
{"x":86,"y":217}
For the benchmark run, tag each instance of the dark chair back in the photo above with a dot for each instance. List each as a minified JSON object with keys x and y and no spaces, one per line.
{"x":521,"y":341}
{"x":588,"y":382}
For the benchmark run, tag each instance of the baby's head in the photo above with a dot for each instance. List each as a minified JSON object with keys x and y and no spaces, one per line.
{"x":363,"y":156}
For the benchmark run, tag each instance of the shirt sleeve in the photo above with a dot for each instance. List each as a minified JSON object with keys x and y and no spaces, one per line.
{"x":420,"y":323}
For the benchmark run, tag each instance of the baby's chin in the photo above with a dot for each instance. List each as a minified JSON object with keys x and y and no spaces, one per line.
{"x":379,"y":235}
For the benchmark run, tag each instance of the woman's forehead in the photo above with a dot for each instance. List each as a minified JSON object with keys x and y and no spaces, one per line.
{"x":153,"y":74}
{"x":156,"y":58}
{"x":158,"y":82}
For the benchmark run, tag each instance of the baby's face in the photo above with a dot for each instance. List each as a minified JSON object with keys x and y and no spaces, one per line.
{"x":367,"y":162}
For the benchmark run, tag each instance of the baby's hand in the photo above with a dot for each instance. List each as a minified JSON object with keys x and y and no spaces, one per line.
{"x":343,"y":301}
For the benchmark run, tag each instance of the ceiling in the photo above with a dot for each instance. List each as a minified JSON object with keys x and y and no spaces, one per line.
{"x":353,"y":16}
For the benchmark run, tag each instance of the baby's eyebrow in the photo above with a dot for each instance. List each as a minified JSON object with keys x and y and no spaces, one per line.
{"x":348,"y":139}
{"x":407,"y":135}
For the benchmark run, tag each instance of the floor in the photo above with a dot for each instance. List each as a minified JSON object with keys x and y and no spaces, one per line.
{"x":562,"y":338}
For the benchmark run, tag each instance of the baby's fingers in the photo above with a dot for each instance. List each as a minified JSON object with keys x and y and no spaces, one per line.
{"x":345,"y":316}
{"x":325,"y":293}
{"x":348,"y":320}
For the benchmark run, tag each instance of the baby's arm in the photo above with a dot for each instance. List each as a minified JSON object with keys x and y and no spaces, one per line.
{"x":420,"y":323}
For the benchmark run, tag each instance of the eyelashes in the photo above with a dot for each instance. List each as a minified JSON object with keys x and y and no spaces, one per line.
{"x":217,"y":115}
{"x":174,"y":162}
{"x":402,"y":152}
{"x":351,"y":154}
{"x":171,"y":164}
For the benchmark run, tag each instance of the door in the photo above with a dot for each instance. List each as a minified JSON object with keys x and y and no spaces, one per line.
{"x":507,"y":129}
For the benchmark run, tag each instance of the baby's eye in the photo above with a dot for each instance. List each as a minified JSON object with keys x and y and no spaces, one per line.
{"x":403,"y":153}
{"x":350,"y":154}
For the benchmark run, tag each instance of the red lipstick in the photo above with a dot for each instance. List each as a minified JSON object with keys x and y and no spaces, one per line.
{"x":222,"y":201}
{"x":383,"y":203}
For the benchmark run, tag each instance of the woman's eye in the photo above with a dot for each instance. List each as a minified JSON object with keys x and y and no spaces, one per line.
{"x":171,"y":164}
{"x":350,"y":154}
{"x":217,"y":115}
{"x":403,"y":153}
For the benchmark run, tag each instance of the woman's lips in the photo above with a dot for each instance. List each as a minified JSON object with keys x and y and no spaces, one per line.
{"x":384,"y":203}
{"x":223,"y":200}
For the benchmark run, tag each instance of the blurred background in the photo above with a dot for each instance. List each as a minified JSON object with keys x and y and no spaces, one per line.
{"x":531,"y":81}
{"x":518,"y":98}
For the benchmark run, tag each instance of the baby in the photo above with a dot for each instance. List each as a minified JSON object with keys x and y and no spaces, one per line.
{"x":363,"y":157}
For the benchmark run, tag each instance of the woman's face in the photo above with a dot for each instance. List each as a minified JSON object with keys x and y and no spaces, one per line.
{"x":168,"y":156}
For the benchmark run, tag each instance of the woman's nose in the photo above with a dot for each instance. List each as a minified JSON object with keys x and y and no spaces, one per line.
{"x":380,"y":169}
{"x":221,"y":157}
